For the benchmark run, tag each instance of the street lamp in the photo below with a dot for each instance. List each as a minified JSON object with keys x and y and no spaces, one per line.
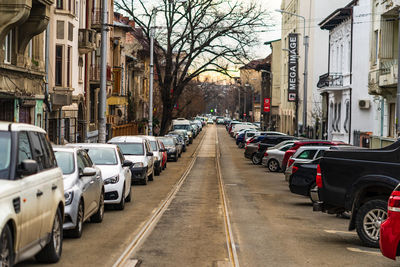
{"x":151,"y":83}
{"x":306,"y":46}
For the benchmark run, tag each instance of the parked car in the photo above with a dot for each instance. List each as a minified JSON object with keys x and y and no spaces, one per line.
{"x":243,"y":136}
{"x":267,"y":142}
{"x":301,"y":143}
{"x":183,"y":124}
{"x":302,"y":155}
{"x":171,"y":144}
{"x":115,"y":171}
{"x":390,"y":228}
{"x":239,"y":126}
{"x":220,"y":120}
{"x":163,"y":150}
{"x":180,"y":137}
{"x":210,"y":121}
{"x":31,"y":196}
{"x":273,"y":156}
{"x":138,"y":150}
{"x":360,"y":181}
{"x":186,"y":137}
{"x":157,"y":157}
{"x":83,"y":189}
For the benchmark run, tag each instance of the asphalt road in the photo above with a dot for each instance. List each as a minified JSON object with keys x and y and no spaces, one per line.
{"x":271,"y":226}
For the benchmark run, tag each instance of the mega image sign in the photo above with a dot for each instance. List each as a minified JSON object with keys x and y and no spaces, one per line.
{"x":293,"y":66}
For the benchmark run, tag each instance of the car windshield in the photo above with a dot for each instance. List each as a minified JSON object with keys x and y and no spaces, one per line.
{"x":168,"y":141}
{"x":182,"y":127}
{"x":5,"y":155}
{"x":65,"y":160}
{"x":103,"y":156}
{"x":135,"y":149}
{"x":153,"y":145}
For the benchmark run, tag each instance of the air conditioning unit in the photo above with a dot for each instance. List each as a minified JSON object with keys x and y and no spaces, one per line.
{"x":364,"y":104}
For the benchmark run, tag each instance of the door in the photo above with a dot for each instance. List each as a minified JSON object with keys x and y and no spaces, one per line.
{"x":97,"y":183}
{"x":126,"y":171}
{"x":30,"y":223}
{"x":149,"y":158}
{"x":87,"y":182}
{"x":48,"y":181}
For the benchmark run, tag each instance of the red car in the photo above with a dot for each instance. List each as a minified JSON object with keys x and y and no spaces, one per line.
{"x":390,"y":229}
{"x":164,"y":155}
{"x":298,"y":144}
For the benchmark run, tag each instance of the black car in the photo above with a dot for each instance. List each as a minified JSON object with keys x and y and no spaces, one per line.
{"x":269,"y":141}
{"x":302,"y":180}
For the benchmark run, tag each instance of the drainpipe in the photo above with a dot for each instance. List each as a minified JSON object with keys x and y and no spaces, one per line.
{"x":382,"y":114}
{"x":351,"y":100}
{"x":398,"y":85}
{"x":46,"y":94}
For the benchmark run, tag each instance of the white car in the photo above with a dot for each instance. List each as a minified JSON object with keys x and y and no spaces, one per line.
{"x":115,"y":170}
{"x":31,"y":196}
{"x":83,"y":189}
{"x":137,"y":150}
{"x":157,"y":153}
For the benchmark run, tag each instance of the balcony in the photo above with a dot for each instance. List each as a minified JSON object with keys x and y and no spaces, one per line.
{"x":96,"y":18}
{"x":330,"y":81}
{"x":388,"y":73}
{"x":94,"y":75}
{"x":86,"y":40}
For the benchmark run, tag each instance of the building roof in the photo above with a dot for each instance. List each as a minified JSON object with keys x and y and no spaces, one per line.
{"x":259,"y":64}
{"x":337,"y":17}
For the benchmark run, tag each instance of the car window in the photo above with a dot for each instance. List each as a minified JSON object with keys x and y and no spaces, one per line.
{"x":153,"y":145}
{"x":65,"y":161}
{"x":103,"y":156}
{"x":307,"y":154}
{"x":5,"y":154}
{"x":286,"y":148}
{"x":131,"y":148}
{"x":86,"y":159}
{"x":120,"y":155}
{"x":80,"y":162}
{"x":37,"y":150}
{"x":320,"y":153}
{"x":49,"y":159}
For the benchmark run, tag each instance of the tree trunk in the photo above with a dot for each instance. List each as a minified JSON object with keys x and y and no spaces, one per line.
{"x":166,"y":118}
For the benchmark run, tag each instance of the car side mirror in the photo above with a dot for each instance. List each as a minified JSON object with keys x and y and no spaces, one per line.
{"x":127,"y":163}
{"x":149,"y":154}
{"x":162,"y":150}
{"x":87,"y":171}
{"x":28,"y":167}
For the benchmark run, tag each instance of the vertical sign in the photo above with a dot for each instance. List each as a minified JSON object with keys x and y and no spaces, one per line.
{"x":267,"y":104}
{"x":293,"y":66}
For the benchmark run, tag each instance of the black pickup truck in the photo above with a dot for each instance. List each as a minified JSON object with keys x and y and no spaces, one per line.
{"x":360,"y":181}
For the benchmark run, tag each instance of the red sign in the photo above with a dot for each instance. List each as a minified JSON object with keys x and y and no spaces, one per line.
{"x":267,"y":104}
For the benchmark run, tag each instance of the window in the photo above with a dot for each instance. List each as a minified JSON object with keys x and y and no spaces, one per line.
{"x":67,"y":129}
{"x":93,"y":105}
{"x":80,"y":65}
{"x":8,"y":47}
{"x":307,"y":154}
{"x":70,"y":31}
{"x":117,"y":81}
{"x":60,"y":29}
{"x":70,"y":3}
{"x":59,"y":4}
{"x":392,"y":119}
{"x":58,"y":66}
{"x":131,"y":148}
{"x":376,"y":47}
{"x":103,"y":156}
{"x":30,"y":47}
{"x":69,"y":66}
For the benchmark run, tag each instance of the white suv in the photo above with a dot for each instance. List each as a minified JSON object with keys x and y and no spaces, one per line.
{"x":31,"y":196}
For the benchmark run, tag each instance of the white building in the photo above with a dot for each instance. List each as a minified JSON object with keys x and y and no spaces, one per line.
{"x":348,"y":108}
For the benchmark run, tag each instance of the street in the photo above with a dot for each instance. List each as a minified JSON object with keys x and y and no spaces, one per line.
{"x":271,"y":226}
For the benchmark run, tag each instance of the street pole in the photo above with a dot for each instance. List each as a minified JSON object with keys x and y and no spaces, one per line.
{"x":398,"y":89}
{"x":151,"y":85}
{"x":103,"y":75}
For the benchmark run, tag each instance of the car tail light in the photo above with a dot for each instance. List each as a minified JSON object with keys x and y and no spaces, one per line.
{"x":266,"y":154}
{"x":295,"y":169}
{"x":318,"y":178}
{"x":290,"y":162}
{"x":394,"y":202}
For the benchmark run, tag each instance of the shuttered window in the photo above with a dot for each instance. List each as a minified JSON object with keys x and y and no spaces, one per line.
{"x":60,"y":29}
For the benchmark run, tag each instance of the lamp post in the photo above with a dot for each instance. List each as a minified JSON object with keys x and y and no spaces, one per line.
{"x":151,"y":80}
{"x":306,"y":46}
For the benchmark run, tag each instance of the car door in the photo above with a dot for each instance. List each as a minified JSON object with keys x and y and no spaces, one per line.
{"x":125,"y":170}
{"x":149,"y":158}
{"x":97,"y":180}
{"x":30,"y":210}
{"x":86,"y":185}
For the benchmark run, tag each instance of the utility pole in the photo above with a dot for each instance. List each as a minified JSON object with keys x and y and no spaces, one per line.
{"x":103,"y":74}
{"x":398,"y":89}
{"x":151,"y":85}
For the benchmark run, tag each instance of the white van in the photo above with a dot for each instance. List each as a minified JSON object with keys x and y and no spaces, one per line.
{"x":183,"y":124}
{"x":245,"y":125}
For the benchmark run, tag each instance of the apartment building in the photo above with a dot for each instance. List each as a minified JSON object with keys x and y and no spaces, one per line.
{"x":22,"y":60}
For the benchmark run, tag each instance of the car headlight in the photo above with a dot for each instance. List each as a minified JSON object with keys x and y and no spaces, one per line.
{"x":69,"y":196}
{"x":138,"y":165}
{"x":171,"y":149}
{"x":112,"y":180}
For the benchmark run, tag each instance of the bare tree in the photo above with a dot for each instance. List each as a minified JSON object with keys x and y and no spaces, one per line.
{"x":197,"y":36}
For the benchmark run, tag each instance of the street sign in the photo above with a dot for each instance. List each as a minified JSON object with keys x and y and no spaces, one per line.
{"x":293,"y":67}
{"x":267,"y":104}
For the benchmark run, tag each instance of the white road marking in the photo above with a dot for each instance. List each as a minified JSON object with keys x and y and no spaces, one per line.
{"x":131,"y":263}
{"x":340,"y":232}
{"x":366,"y":250}
{"x":230,"y":184}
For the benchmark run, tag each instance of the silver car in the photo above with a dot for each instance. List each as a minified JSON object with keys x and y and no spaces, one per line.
{"x":274,"y":156}
{"x":303,"y":155}
{"x":83,"y":189}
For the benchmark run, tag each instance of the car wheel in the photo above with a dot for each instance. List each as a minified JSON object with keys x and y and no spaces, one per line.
{"x":184,"y":149}
{"x":255,"y":159}
{"x":309,"y":191}
{"x":273,"y":165}
{"x":6,"y":247}
{"x":129,"y":197}
{"x":77,"y":231}
{"x":145,"y":180}
{"x":121,"y":204}
{"x":99,"y":215}
{"x":151,"y":177}
{"x":51,"y":253}
{"x":368,"y":221}
{"x":176,"y":157}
